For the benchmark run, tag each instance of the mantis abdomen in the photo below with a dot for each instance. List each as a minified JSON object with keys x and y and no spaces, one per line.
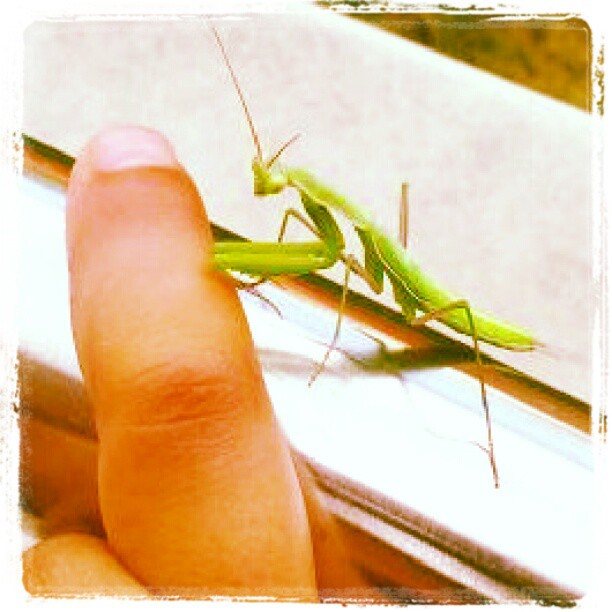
{"x":430,"y":296}
{"x":413,"y":290}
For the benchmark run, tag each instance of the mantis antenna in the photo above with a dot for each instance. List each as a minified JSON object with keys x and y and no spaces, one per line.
{"x":403,"y":226}
{"x":278,"y":153}
{"x":240,"y":96}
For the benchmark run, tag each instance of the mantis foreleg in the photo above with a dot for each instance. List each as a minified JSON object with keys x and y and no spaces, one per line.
{"x":290,"y":212}
{"x":251,"y":287}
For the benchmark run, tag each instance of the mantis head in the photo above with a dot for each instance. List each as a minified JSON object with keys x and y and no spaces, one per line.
{"x":268,"y":181}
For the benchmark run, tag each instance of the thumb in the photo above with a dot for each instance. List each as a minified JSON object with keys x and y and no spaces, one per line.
{"x":197,"y":489}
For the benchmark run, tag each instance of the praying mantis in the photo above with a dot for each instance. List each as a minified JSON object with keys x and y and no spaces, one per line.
{"x":419,"y":297}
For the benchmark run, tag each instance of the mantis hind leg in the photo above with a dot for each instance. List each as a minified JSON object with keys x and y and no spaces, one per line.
{"x":464,"y":305}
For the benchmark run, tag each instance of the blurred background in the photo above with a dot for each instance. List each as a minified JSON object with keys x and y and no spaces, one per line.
{"x":550,"y":56}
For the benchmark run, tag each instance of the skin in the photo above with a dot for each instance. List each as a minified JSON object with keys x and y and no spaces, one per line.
{"x":190,"y":488}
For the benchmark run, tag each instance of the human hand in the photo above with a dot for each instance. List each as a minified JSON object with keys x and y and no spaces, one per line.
{"x":198,"y":492}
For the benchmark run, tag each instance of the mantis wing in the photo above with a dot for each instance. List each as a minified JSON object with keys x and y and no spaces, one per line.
{"x":404,"y":298}
{"x":373,"y":262}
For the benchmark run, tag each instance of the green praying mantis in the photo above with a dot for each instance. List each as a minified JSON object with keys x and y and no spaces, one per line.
{"x":420,"y":298}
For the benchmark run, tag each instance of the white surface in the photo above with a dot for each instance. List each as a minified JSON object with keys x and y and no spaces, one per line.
{"x":500,"y":177}
{"x":400,"y":435}
{"x":406,"y":439}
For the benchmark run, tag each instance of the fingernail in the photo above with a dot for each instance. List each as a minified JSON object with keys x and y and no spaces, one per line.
{"x":122,"y":148}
